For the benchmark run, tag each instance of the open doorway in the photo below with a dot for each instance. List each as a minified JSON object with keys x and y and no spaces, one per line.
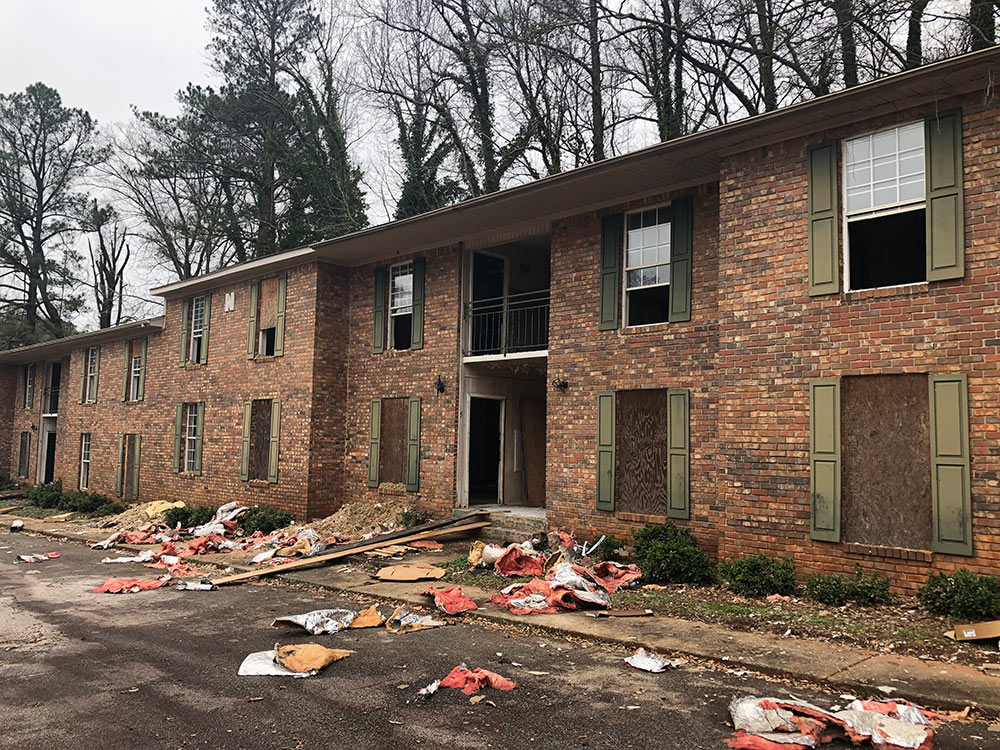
{"x":485,"y":450}
{"x":47,"y":451}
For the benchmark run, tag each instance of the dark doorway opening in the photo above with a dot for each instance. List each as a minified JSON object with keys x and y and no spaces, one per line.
{"x":485,"y":432}
{"x":50,"y":457}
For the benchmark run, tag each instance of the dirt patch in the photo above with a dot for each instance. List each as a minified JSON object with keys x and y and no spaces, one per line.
{"x":356,"y":520}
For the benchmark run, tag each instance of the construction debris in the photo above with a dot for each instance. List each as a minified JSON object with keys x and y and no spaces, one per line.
{"x":427,"y":692}
{"x":622,"y":613}
{"x":470,"y":681}
{"x":130,"y":585}
{"x":318,"y":621}
{"x":648,"y":662}
{"x":368,"y":618}
{"x":566,"y":586}
{"x":16,"y":525}
{"x":451,"y":601}
{"x":203,"y":585}
{"x":303,"y":660}
{"x":516,"y":562}
{"x":402,"y":620}
{"x":39,"y":557}
{"x":789,"y":724}
{"x":408,"y":572}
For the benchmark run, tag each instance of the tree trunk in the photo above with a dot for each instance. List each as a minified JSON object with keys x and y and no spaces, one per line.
{"x":982,"y":24}
{"x":765,"y":55}
{"x":596,"y":87}
{"x":844,"y":10}
{"x":914,"y":34}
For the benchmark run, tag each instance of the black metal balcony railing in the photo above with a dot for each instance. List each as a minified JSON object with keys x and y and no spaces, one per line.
{"x":50,"y":400}
{"x":503,"y":325}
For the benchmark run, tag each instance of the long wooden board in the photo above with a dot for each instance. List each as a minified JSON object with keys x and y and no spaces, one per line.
{"x":352,"y":549}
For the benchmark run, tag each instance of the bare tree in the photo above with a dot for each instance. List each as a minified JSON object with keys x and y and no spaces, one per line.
{"x":108,"y":262}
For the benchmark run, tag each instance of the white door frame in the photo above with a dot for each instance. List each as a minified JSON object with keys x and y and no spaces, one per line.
{"x":47,"y":426}
{"x":466,"y":445}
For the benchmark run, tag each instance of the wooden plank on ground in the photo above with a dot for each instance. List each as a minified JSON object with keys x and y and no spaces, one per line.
{"x":348,"y":550}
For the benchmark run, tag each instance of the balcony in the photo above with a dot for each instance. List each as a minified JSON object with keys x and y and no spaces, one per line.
{"x":502,"y":326}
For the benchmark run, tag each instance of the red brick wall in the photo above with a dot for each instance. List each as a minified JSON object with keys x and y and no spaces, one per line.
{"x":668,"y":355}
{"x":394,"y":374}
{"x":9,"y":378}
{"x":773,"y":338}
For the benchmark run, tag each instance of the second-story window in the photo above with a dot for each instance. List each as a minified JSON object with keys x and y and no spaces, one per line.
{"x":401,"y":306}
{"x":135,"y":378}
{"x":647,"y":267}
{"x":28,"y":394}
{"x":266,"y":333}
{"x":197,"y":329}
{"x":91,"y":368}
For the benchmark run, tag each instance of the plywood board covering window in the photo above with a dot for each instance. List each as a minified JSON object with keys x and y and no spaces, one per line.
{"x":392,"y":457}
{"x":260,"y":438}
{"x":641,"y":430}
{"x":885,"y":450}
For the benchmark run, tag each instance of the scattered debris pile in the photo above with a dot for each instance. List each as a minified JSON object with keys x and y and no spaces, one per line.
{"x":356,"y":521}
{"x":790,"y":724}
{"x":130,"y":585}
{"x":647,"y":662}
{"x":300,"y":660}
{"x":450,"y":601}
{"x":470,"y":681}
{"x":37,"y":557}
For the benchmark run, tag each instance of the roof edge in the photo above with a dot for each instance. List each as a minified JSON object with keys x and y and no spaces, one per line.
{"x":27,"y":354}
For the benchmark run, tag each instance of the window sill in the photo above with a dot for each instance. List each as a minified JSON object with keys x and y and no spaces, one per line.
{"x":651,"y":328}
{"x":901,"y":290}
{"x":895,"y":553}
{"x":188,"y":474}
{"x":264,"y":358}
{"x":393,"y":489}
{"x":258,"y":484}
{"x":189,"y":365}
{"x":641,"y":517}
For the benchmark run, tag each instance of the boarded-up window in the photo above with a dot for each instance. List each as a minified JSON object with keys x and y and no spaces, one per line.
{"x":23,"y":454}
{"x":130,"y":466}
{"x":885,"y":450}
{"x":392,"y":456}
{"x":641,"y":432}
{"x":260,"y":438}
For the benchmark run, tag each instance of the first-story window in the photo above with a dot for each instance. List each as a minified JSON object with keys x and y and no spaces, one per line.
{"x":189,"y":426}
{"x":28,"y":395}
{"x":401,"y":306}
{"x":191,"y":438}
{"x":885,"y":190}
{"x":84,"y":460}
{"x":23,"y":454}
{"x":647,"y":267}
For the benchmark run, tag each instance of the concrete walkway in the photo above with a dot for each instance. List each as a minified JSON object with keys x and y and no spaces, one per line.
{"x":931,"y":683}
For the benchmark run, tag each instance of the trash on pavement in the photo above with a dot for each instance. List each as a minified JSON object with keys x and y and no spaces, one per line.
{"x":107,"y":543}
{"x":143,"y":557}
{"x":406,"y":572}
{"x":470,"y":681}
{"x":318,"y":621}
{"x":308,"y":657}
{"x":226,"y":514}
{"x":402,"y":620}
{"x":976,"y":631}
{"x":622,"y":613}
{"x":130,"y":585}
{"x":368,"y":618}
{"x":450,"y":601}
{"x":427,"y":692}
{"x":648,"y":662}
{"x":38,"y":557}
{"x":613,"y":576}
{"x":428,"y":544}
{"x":159,"y":507}
{"x":769,"y":723}
{"x":262,"y":556}
{"x":16,"y":525}
{"x":203,"y":585}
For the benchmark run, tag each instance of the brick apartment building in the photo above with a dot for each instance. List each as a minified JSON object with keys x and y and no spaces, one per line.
{"x":781,"y":332}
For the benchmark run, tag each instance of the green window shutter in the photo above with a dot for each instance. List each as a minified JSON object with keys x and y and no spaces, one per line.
{"x":678,"y":453}
{"x":252,"y":322}
{"x":824,"y":458}
{"x":178,"y":432}
{"x":198,"y":435}
{"x":945,"y":205}
{"x":681,"y":242}
{"x":272,"y":455}
{"x":204,"y":335}
{"x":120,"y":466}
{"x":606,"y":450}
{"x":374,"y":442}
{"x":413,"y":446}
{"x":824,"y":250}
{"x":83,"y":375}
{"x":417,"y":319}
{"x":245,"y":445}
{"x":128,"y":369}
{"x":136,"y":461}
{"x":279,"y":326}
{"x":950,"y":471}
{"x":612,"y":236}
{"x":142,"y":370}
{"x":379,"y":320}
{"x":185,"y":318}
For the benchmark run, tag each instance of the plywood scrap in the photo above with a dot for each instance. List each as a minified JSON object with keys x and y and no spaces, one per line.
{"x":405,"y":572}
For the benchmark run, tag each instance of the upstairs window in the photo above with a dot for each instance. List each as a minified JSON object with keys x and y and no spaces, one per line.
{"x":28,"y":394}
{"x":135,"y":370}
{"x":134,"y":378}
{"x":647,"y":267}
{"x":885,"y":203}
{"x":91,"y":369}
{"x":266,"y":331}
{"x":401,"y":306}
{"x":197,"y":329}
{"x":196,"y":314}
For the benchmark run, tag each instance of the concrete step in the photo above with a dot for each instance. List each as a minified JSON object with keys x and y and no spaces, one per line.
{"x":513,"y":525}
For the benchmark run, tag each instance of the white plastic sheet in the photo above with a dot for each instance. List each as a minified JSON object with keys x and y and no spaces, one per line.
{"x":319,"y":621}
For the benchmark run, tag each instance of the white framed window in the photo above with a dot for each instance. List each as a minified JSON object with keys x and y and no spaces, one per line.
{"x":401,"y":306}
{"x":191,"y":437}
{"x":135,"y":378}
{"x":884,"y":207}
{"x":647,"y":266}
{"x":28,"y":395}
{"x":84,"y":460}
{"x":92,"y":362}
{"x":197,"y":329}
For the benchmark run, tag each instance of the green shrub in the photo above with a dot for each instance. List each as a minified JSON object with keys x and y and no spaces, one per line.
{"x":963,"y":595}
{"x":669,"y":554}
{"x":6,"y":483}
{"x":109,"y":508}
{"x":607,"y":549}
{"x":45,"y":495}
{"x":412,"y":517}
{"x":263,"y":518}
{"x":834,"y":591}
{"x":870,"y":591}
{"x":189,"y":517}
{"x":759,"y":575}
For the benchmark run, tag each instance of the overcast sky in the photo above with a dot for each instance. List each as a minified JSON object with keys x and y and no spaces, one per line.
{"x":104,"y":55}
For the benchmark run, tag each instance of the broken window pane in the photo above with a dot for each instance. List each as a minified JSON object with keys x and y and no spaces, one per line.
{"x":887,"y":250}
